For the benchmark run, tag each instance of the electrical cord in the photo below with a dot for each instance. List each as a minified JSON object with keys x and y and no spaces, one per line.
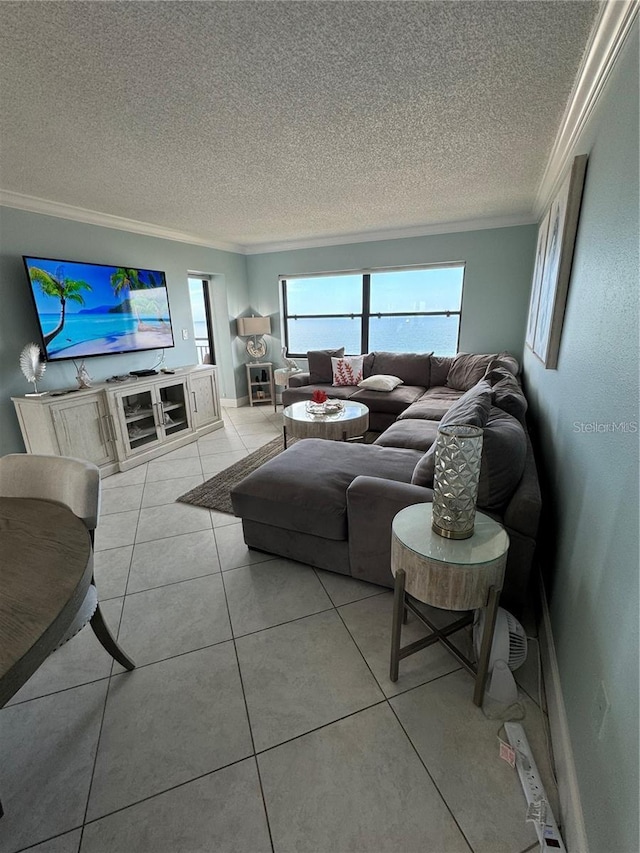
{"x":160,"y":361}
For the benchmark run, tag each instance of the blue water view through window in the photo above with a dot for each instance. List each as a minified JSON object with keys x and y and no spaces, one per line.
{"x":404,"y":310}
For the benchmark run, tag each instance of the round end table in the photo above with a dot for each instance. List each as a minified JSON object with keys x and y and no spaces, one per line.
{"x":451,"y":574}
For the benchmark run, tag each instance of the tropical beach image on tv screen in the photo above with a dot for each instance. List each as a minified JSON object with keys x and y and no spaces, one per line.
{"x":93,"y":309}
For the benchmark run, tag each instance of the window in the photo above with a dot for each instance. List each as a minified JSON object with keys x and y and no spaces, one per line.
{"x":401,"y":310}
{"x":202,"y":319}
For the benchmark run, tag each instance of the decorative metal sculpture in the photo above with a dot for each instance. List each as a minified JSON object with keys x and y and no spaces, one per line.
{"x":289,"y":363}
{"x":82,"y":377}
{"x":257,"y":347}
{"x":32,"y":366}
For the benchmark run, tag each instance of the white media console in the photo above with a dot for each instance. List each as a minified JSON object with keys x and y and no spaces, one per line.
{"x":119,"y":425}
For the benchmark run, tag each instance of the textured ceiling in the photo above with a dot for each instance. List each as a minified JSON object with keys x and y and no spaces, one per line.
{"x":256,"y":123}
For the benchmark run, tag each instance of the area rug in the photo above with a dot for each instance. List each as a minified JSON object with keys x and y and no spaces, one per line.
{"x":216,"y":492}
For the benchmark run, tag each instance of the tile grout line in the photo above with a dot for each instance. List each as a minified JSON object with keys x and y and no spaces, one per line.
{"x":387,"y":700}
{"x":169,"y":583}
{"x":427,"y":771}
{"x":199,"y":648}
{"x":400,"y":692}
{"x":164,"y":791}
{"x":223,"y":767}
{"x":106,"y":695}
{"x":244,"y":699}
{"x":51,"y":838}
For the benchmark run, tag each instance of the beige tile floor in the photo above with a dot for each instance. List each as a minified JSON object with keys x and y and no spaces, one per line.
{"x":260,"y":716}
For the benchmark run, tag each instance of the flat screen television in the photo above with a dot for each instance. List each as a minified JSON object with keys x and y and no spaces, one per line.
{"x":94,"y":309}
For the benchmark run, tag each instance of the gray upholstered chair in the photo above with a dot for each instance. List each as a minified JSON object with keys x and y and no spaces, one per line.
{"x":74,"y":483}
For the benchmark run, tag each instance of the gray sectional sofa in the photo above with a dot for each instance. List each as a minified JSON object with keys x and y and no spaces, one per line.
{"x":331,"y":504}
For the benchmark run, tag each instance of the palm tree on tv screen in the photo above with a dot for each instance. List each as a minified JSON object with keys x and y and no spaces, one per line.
{"x":64,"y":289}
{"x":123,"y":279}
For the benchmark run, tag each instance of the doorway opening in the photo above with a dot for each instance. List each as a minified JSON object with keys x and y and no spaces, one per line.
{"x":199,"y":294}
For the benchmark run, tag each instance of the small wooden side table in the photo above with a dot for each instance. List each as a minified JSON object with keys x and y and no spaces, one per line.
{"x":447,"y":573}
{"x":261,"y":390}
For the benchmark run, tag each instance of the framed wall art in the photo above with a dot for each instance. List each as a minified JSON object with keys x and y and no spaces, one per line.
{"x":552,"y":271}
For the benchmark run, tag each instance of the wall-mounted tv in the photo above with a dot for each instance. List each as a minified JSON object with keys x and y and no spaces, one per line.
{"x":95,"y":309}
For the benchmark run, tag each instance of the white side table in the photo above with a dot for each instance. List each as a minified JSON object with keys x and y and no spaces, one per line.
{"x":282,"y":376}
{"x":260,"y":383}
{"x":450,"y":574}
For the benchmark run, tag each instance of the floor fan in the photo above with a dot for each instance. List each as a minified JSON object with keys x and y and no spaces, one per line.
{"x":508,"y":653}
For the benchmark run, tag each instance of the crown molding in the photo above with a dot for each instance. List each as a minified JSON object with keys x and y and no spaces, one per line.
{"x":392,"y":234}
{"x":613,"y":24}
{"x":107,"y":220}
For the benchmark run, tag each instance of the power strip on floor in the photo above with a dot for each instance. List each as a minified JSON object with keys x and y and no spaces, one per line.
{"x":539,"y":809}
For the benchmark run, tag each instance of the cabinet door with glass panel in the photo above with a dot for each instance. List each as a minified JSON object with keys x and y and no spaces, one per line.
{"x":150,"y":414}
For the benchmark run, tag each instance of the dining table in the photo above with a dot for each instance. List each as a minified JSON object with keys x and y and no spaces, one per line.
{"x":46,"y":566}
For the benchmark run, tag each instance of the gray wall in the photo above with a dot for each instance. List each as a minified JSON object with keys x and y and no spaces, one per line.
{"x":48,"y":236}
{"x":591,"y":495}
{"x":499,"y":264}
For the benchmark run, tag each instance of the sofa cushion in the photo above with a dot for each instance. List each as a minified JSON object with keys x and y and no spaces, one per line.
{"x":305,"y":488}
{"x":392,"y":402}
{"x":346,"y":370}
{"x":296,"y":380}
{"x":380,"y":382}
{"x":467,"y":369}
{"x":507,"y":393}
{"x":440,"y":367}
{"x":414,"y":368}
{"x":320,"y":364}
{"x":505,"y":361}
{"x":367,"y":365}
{"x":417,"y":434}
{"x":472,"y":408}
{"x":434,"y":403}
{"x":504,"y":452}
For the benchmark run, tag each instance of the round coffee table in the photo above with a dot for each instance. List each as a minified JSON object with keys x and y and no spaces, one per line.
{"x":352,"y":421}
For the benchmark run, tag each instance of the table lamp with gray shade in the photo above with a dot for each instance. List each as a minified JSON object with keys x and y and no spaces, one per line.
{"x":253,"y":328}
{"x":455,"y":480}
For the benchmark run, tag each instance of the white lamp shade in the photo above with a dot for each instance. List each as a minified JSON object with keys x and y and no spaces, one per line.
{"x":254,"y":326}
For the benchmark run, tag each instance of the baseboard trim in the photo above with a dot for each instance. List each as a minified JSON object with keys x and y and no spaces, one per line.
{"x":571,"y":816}
{"x":233,"y":402}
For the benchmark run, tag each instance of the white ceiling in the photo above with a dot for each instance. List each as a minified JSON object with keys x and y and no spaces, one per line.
{"x":254,"y":123}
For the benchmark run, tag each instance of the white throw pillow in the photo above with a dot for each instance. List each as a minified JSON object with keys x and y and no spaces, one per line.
{"x":347,"y":370}
{"x":380,"y":382}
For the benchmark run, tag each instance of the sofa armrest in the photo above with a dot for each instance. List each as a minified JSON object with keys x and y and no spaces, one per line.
{"x":297,"y":380}
{"x":372,"y":503}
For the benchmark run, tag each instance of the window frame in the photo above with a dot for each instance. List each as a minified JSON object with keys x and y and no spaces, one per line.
{"x":367,"y":314}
